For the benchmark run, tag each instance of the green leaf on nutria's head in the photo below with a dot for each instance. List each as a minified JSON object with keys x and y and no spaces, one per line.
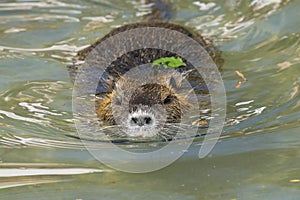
{"x":171,"y":62}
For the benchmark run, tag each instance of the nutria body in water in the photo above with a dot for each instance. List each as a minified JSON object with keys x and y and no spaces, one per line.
{"x":150,"y":105}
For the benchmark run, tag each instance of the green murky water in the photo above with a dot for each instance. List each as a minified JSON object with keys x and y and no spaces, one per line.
{"x":257,"y":156}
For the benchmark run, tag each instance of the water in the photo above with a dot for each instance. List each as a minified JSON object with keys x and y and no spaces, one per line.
{"x":257,"y":156}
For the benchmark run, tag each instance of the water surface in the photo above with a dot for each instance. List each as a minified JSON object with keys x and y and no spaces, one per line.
{"x":257,"y":156}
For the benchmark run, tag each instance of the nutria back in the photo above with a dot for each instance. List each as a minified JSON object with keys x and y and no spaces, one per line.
{"x":149,"y":56}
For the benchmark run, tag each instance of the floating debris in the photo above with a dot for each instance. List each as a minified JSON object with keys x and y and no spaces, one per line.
{"x":241,"y":75}
{"x":239,"y":84}
{"x":294,"y":181}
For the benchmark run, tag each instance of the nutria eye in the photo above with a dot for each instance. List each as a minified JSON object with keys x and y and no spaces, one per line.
{"x":168,"y":100}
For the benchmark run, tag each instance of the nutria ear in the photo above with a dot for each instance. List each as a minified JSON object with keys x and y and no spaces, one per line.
{"x":175,"y":82}
{"x":176,"y":79}
{"x":185,"y":74}
{"x":172,"y":83}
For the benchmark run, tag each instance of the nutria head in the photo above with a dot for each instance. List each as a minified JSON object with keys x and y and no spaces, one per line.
{"x":142,"y":107}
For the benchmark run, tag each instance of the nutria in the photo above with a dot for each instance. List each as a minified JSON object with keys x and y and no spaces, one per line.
{"x":151,"y":105}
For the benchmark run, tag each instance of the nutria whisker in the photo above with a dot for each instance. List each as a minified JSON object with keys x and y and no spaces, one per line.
{"x":179,"y":126}
{"x":164,"y":136}
{"x":102,"y":128}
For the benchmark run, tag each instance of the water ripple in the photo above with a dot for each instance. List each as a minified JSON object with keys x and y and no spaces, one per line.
{"x":28,"y":5}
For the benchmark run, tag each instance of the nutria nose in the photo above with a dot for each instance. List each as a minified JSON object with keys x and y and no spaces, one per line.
{"x":141,"y":120}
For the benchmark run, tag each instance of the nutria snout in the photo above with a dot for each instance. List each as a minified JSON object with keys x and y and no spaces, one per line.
{"x":141,"y":119}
